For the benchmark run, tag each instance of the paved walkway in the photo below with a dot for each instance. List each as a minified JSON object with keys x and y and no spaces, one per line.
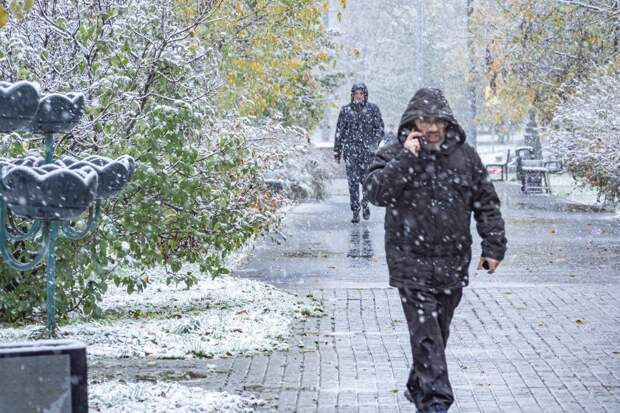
{"x":543,"y":335}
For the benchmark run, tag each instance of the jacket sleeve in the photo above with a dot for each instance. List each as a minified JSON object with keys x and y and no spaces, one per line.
{"x":340,"y":131}
{"x":489,"y":222}
{"x":389,"y":172}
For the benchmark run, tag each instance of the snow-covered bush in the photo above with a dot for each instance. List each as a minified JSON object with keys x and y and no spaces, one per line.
{"x":291,"y":165}
{"x":585,"y":134}
{"x":152,"y":84}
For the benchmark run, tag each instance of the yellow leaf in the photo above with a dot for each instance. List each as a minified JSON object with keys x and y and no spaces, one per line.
{"x":4,"y":17}
{"x":579,"y":322}
{"x":28,"y":4}
{"x":488,"y":93}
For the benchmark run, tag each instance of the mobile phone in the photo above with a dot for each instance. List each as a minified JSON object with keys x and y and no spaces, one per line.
{"x":485,"y":264}
{"x":404,"y":132}
{"x":422,"y":138}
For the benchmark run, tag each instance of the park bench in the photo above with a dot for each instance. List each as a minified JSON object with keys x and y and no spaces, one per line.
{"x":533,"y":173}
{"x":503,"y":167}
{"x":554,"y":166}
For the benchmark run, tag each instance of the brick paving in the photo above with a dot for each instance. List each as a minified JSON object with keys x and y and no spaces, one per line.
{"x":519,"y":349}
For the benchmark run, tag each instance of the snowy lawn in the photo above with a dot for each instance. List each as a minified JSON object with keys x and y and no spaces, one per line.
{"x":564,"y":186}
{"x":217,"y":317}
{"x":119,"y":397}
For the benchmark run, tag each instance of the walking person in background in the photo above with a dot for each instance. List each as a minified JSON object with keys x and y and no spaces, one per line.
{"x":358,"y":133}
{"x":430,"y":182}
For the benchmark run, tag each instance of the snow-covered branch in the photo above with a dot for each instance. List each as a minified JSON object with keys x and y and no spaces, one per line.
{"x":585,"y":133}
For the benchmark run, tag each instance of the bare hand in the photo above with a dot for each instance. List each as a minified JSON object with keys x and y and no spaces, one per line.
{"x":493,"y":264}
{"x":412,"y":143}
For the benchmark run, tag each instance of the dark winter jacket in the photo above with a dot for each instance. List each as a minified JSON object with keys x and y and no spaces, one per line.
{"x":359,"y":129}
{"x":429,"y":200}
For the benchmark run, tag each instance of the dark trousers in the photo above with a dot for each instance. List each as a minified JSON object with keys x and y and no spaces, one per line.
{"x":356,"y":173}
{"x":428,"y":318}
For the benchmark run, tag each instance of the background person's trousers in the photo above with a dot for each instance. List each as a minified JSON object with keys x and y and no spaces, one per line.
{"x":428,"y":318}
{"x":356,"y":173}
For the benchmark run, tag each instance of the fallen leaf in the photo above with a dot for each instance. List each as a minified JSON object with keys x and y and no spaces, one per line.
{"x":579,"y":322}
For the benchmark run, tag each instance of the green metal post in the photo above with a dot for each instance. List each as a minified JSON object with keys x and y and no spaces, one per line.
{"x":51,"y":279}
{"x":49,"y":148}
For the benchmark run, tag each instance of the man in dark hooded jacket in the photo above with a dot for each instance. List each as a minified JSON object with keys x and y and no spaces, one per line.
{"x":430,"y":182}
{"x":358,"y":133}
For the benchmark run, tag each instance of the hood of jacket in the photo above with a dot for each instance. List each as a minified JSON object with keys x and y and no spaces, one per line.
{"x":359,"y":86}
{"x":432,"y":103}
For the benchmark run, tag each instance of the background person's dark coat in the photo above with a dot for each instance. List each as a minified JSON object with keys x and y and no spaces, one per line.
{"x":359,"y":130}
{"x":429,"y":201}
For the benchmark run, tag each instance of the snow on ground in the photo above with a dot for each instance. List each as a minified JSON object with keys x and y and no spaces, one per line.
{"x":120,"y":397}
{"x":564,"y":186}
{"x":217,"y":317}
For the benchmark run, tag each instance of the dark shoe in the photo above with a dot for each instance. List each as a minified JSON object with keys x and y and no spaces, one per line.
{"x":356,"y":217}
{"x":366,"y":213}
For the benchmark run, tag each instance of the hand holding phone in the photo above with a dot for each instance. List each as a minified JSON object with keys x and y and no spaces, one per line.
{"x":488,"y":264}
{"x":412,"y":142}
